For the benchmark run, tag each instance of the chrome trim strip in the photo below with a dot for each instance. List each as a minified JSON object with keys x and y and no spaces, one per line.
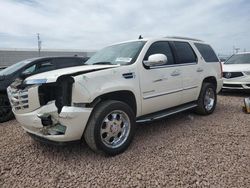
{"x":188,"y":88}
{"x":171,"y":92}
{"x":173,"y":65}
{"x":145,"y":92}
{"x":241,"y":88}
{"x":161,"y":94}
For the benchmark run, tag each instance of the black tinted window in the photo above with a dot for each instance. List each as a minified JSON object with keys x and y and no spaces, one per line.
{"x":66,"y":62}
{"x":160,"y":48}
{"x":207,"y":52}
{"x":44,"y":66}
{"x":185,"y":53}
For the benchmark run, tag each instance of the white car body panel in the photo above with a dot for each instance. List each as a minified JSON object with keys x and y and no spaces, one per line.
{"x":52,"y":76}
{"x":84,"y":91}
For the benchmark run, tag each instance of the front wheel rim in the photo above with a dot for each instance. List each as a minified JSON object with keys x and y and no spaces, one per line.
{"x":115,"y":129}
{"x":209,"y":99}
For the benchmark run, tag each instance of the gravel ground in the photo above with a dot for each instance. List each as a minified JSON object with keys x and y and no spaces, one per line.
{"x":185,"y":150}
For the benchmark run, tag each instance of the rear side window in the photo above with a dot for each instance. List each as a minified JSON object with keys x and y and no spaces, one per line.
{"x":66,"y":62}
{"x":44,"y":66}
{"x":161,"y":47}
{"x":207,"y":52}
{"x":184,"y":52}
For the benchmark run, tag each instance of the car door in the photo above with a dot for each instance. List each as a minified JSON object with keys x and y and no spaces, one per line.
{"x":190,"y":69}
{"x":160,"y":85}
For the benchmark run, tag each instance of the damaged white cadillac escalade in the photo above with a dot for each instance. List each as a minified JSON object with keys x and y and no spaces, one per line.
{"x":129,"y":82}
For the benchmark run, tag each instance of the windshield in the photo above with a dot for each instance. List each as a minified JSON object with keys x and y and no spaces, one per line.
{"x":11,"y":69}
{"x":123,"y":54}
{"x":239,"y":59}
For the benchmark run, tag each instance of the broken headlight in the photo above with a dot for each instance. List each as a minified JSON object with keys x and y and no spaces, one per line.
{"x":60,"y":91}
{"x":64,"y":92}
{"x":35,"y":82}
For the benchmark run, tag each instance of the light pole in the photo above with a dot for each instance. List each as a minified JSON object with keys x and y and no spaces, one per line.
{"x":235,"y":50}
{"x":39,"y":43}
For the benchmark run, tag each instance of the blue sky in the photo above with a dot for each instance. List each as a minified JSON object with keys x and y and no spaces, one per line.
{"x":93,"y":24}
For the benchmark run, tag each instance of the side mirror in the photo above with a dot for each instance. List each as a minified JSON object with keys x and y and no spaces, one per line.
{"x":156,"y":60}
{"x":25,"y":74}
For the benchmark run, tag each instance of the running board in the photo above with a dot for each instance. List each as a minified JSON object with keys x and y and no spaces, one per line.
{"x":165,"y":113}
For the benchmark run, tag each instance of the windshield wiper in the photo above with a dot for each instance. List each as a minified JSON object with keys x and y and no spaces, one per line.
{"x":103,"y":63}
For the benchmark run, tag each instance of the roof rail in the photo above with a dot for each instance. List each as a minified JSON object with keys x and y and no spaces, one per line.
{"x":185,"y":38}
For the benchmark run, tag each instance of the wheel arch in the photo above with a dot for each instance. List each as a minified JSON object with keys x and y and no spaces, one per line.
{"x":210,"y":79}
{"x":125,"y":96}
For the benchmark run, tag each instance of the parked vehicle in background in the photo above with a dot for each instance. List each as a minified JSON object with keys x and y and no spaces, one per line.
{"x":236,"y":72}
{"x":2,"y":67}
{"x":129,"y":82}
{"x":27,"y":68}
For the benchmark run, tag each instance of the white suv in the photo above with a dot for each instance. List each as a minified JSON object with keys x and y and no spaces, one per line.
{"x":129,"y":82}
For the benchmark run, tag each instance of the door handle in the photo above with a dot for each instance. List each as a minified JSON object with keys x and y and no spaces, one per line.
{"x":175,"y":73}
{"x":162,"y":78}
{"x":199,"y":69}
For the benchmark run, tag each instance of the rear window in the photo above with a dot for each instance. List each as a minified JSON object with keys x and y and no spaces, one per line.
{"x":66,"y":62}
{"x":207,"y":52}
{"x":185,"y":53}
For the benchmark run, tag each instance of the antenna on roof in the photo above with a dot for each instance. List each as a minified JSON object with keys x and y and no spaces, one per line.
{"x":140,"y":37}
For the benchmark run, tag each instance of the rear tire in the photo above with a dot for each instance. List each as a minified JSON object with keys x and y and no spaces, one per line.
{"x":207,"y":99}
{"x":111,"y":127}
{"x":6,"y":113}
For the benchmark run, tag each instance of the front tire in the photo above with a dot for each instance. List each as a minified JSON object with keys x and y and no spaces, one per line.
{"x":111,"y":127}
{"x":6,"y":113}
{"x":207,"y":99}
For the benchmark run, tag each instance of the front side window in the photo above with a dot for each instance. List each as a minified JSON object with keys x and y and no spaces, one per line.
{"x":123,"y":54}
{"x":185,"y":53}
{"x":13,"y":68}
{"x":206,"y":52}
{"x":239,"y":59}
{"x":161,"y":47}
{"x":30,"y":69}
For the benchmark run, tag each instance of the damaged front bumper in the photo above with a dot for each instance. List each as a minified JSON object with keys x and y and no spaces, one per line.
{"x":46,"y":123}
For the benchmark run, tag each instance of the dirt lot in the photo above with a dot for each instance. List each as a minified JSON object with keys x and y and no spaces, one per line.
{"x":185,"y":150}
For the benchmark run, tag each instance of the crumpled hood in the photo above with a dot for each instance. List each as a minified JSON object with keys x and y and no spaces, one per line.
{"x":52,"y":76}
{"x":236,"y":67}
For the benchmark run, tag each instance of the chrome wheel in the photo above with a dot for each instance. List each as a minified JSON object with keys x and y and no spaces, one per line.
{"x":115,"y":129}
{"x":209,"y":99}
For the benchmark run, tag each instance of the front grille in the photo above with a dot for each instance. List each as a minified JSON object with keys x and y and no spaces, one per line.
{"x":18,"y":98}
{"x":233,"y":85}
{"x":229,"y":75}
